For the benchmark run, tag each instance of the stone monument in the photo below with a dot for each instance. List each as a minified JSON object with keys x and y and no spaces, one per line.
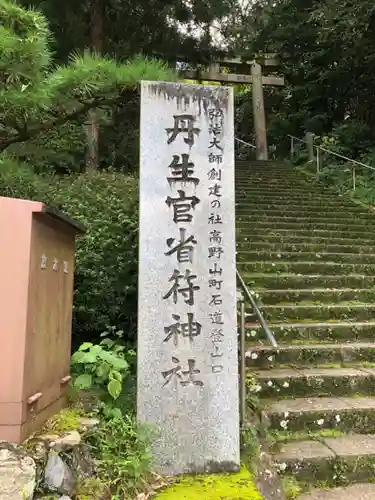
{"x":187,"y":330}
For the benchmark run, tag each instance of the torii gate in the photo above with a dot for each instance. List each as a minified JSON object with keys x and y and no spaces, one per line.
{"x":255,"y":76}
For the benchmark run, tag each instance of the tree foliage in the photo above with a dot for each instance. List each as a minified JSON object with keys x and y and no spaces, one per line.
{"x":36,"y":97}
{"x":327,"y":50}
{"x":147,"y":26}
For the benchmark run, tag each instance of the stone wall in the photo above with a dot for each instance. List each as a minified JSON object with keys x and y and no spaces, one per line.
{"x":47,"y":466}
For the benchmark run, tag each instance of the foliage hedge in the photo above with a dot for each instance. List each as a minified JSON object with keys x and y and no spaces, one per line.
{"x":107,"y":255}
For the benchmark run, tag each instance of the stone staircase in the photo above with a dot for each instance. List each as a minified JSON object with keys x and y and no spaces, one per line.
{"x":308,"y":255}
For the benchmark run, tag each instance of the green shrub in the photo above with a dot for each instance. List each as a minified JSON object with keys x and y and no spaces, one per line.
{"x":350,"y":138}
{"x":107,"y":254}
{"x":103,"y":367}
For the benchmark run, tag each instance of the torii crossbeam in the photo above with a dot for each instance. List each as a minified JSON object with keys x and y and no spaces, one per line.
{"x":256,"y":78}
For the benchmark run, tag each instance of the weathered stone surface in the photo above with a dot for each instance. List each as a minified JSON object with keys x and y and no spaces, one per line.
{"x":48,"y":438}
{"x":39,"y":451}
{"x":352,"y":445}
{"x":303,"y":450}
{"x":81,"y":461}
{"x":307,"y":355}
{"x":298,"y":405}
{"x":315,"y":382}
{"x":313,"y":270}
{"x":360,"y":403}
{"x":354,"y":492}
{"x":280,"y":373}
{"x":267,"y":479}
{"x":66,"y":442}
{"x":17,"y":474}
{"x":355,"y":415}
{"x":88,"y":423}
{"x":58,"y":476}
{"x":187,"y":333}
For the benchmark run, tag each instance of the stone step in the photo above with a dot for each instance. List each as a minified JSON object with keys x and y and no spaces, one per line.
{"x":364,"y":491}
{"x":252,"y":177}
{"x":319,"y":312}
{"x":308,"y":267}
{"x":346,"y":459}
{"x":254,"y":182}
{"x":263,"y":164}
{"x":270,"y":171}
{"x":292,"y":198}
{"x":260,"y":203}
{"x":352,"y":246}
{"x":294,"y":187}
{"x":344,"y":414}
{"x":314,"y":295}
{"x":277,"y":187}
{"x":281,"y":189}
{"x":305,"y":211}
{"x":257,"y":186}
{"x":256,"y":176}
{"x":338,"y":225}
{"x":294,"y":280}
{"x":346,"y":218}
{"x":291,"y":238}
{"x":254,"y":256}
{"x":250,"y":173}
{"x":307,"y":216}
{"x":286,"y":383}
{"x":309,"y":355}
{"x":264,"y":233}
{"x":276,"y":198}
{"x":267,"y":166}
{"x":313,"y":332}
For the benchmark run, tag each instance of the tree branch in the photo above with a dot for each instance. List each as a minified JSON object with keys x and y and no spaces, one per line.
{"x":32,"y":132}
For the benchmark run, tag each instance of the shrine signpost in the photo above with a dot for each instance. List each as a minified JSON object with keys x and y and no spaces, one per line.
{"x":187,"y":327}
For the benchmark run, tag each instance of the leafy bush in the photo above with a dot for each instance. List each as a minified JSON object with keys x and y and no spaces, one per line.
{"x":103,"y":367}
{"x":368,"y":158}
{"x":106,"y":270}
{"x":107,"y":255}
{"x":351,"y":139}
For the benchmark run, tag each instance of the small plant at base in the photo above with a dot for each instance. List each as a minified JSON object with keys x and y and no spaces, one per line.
{"x":250,"y":447}
{"x":102,"y":367}
{"x":291,"y":488}
{"x":123,"y":456}
{"x":91,"y":489}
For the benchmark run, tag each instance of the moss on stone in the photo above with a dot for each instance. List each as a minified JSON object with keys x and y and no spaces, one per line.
{"x":316,"y":386}
{"x":359,"y":420}
{"x":239,"y":486}
{"x":305,"y":435}
{"x":309,"y":356}
{"x":64,"y":421}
